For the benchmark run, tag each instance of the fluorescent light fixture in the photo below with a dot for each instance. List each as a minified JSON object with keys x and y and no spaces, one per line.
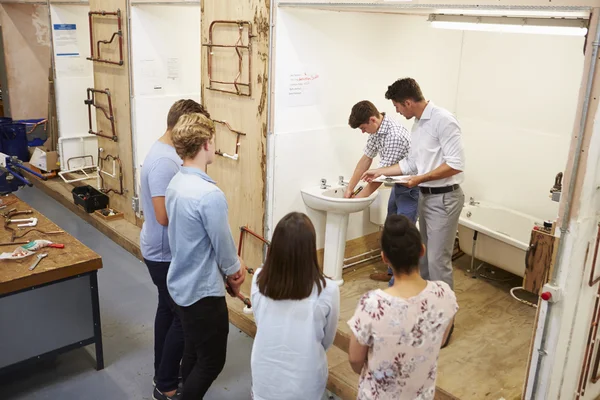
{"x":546,"y":26}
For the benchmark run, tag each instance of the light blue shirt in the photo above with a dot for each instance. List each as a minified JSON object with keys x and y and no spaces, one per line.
{"x":159,"y":167}
{"x":288,"y":359}
{"x":202,"y":248}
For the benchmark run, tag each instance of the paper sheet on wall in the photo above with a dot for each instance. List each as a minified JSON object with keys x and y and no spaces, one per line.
{"x":148,"y":79}
{"x":65,"y":40}
{"x":173,"y":68}
{"x":303,"y":88}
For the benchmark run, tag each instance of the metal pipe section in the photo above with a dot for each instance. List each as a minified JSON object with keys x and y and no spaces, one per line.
{"x":234,"y":156}
{"x":119,"y":33}
{"x":91,"y":101}
{"x":238,"y":46}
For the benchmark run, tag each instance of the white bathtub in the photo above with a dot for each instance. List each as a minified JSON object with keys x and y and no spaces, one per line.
{"x":502,"y":238}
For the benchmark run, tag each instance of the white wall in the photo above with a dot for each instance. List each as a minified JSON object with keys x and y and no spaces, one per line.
{"x":165,"y":56}
{"x":515,"y":96}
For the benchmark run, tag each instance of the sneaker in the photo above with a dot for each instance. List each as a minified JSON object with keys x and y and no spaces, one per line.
{"x":158,"y":395}
{"x":180,"y":385}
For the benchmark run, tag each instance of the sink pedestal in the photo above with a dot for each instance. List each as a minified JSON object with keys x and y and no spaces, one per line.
{"x":337,"y":209}
{"x":335,"y":246}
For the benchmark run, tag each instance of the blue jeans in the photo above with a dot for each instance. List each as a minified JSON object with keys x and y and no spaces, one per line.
{"x":403,"y":201}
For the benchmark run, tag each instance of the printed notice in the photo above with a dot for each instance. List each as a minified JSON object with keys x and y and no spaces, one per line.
{"x":303,"y":89}
{"x":65,"y":40}
{"x":173,"y":68}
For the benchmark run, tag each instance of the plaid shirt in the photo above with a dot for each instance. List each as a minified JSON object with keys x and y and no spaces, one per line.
{"x":391,"y":142}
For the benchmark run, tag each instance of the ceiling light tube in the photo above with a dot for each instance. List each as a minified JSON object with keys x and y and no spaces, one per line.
{"x":547,"y":26}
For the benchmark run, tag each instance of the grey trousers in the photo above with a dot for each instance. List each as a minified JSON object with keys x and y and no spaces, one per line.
{"x":438,"y":222}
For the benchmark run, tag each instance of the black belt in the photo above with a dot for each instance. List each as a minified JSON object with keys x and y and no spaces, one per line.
{"x":439,"y":190}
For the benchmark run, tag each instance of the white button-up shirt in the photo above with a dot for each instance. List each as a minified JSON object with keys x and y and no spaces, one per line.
{"x":435,"y":140}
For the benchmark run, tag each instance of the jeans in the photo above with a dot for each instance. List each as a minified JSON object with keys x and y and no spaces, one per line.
{"x":168,"y":332}
{"x":205,"y":326}
{"x":403,"y":201}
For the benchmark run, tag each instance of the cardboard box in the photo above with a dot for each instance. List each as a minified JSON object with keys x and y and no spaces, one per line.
{"x":43,"y":159}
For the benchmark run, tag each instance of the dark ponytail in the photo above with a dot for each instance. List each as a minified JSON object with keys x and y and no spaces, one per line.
{"x":401,"y":243}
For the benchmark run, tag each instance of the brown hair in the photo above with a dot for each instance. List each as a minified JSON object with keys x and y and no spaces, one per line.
{"x":361,"y":112}
{"x":191,"y":132}
{"x":182,"y":107}
{"x":291,"y":269}
{"x":404,"y":89}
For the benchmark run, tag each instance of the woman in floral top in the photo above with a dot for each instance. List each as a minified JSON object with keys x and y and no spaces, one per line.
{"x":398,"y":332}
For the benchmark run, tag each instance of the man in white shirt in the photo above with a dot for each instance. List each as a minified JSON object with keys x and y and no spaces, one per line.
{"x":436,"y":162}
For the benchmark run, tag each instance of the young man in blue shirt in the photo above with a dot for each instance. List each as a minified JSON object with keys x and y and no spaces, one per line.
{"x":204,"y":255}
{"x":159,"y":167}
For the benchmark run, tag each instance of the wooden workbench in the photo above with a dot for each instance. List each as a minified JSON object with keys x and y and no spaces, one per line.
{"x":54,"y":308}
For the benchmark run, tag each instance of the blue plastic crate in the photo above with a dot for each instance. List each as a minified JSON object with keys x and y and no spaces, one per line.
{"x":13,"y":139}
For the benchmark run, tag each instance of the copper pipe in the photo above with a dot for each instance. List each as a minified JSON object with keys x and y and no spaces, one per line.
{"x":44,"y":121}
{"x":244,"y":229}
{"x":91,"y":101}
{"x":592,"y":280}
{"x":237,"y":46}
{"x":240,"y":242}
{"x":245,"y":300}
{"x":40,"y":231}
{"x":97,"y":57}
{"x":237,"y":141}
{"x":256,"y":235}
{"x":91,"y":24}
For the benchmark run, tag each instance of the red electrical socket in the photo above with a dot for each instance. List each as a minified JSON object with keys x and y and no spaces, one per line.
{"x":546,"y":296}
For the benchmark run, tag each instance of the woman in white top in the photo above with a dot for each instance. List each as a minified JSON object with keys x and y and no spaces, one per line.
{"x":296,"y":311}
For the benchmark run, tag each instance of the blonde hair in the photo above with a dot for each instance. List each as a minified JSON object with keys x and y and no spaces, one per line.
{"x":191,"y":133}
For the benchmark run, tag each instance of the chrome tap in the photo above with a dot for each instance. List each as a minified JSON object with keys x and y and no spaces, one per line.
{"x":324,"y":184}
{"x":341,"y":181}
{"x":472,"y":202}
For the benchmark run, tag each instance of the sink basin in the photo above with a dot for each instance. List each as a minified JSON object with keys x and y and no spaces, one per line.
{"x":332,"y":201}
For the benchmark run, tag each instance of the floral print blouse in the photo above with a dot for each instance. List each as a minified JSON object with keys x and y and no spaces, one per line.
{"x":404,"y":337}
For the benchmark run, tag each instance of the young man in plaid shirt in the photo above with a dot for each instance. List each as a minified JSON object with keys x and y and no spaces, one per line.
{"x":392,"y":142}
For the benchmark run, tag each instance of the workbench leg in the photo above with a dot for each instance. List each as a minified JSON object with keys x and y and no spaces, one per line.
{"x":97,"y":324}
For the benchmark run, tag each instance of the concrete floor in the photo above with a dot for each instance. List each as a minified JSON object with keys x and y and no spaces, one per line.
{"x":127,"y":305}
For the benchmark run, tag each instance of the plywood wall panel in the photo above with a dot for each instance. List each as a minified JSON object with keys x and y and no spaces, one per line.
{"x":243,"y":181}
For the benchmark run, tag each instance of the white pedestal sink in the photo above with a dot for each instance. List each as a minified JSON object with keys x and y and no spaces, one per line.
{"x":338,"y":209}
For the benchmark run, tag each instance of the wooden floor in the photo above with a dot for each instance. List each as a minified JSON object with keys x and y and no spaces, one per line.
{"x":486,"y":358}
